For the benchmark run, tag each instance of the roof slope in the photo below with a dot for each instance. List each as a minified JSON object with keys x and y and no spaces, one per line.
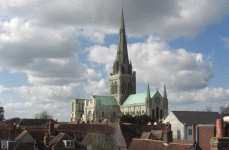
{"x":105,"y":100}
{"x":138,"y":98}
{"x":33,"y":122}
{"x":197,"y":117}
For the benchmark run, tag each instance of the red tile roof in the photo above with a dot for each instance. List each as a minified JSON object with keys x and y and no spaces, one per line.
{"x":20,"y":136}
{"x":87,"y":139}
{"x":148,"y":144}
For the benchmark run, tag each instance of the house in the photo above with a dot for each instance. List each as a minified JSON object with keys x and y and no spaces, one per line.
{"x":182,"y":121}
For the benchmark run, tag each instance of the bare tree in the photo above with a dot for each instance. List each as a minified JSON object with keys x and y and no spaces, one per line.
{"x":224,"y":110}
{"x":43,"y":115}
{"x":208,"y":109}
{"x":2,"y":118}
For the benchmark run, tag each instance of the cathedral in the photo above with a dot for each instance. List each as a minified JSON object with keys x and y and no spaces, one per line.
{"x":122,"y":97}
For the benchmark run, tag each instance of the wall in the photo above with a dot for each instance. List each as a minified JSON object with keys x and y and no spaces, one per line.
{"x":175,"y":126}
{"x":205,"y":133}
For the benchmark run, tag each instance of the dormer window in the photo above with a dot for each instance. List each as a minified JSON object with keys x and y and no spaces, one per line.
{"x":69,"y":143}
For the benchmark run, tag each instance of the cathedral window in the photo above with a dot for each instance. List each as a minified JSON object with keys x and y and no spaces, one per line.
{"x":161,"y":114}
{"x":124,"y":88}
{"x":114,"y":114}
{"x":130,"y":88}
{"x":82,"y":106}
{"x":157,"y":113}
{"x":153,"y":113}
{"x":102,"y":114}
{"x":115,"y":88}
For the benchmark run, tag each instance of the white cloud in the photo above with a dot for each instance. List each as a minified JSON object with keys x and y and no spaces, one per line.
{"x":226,"y":41}
{"x":3,"y":89}
{"x":97,"y":88}
{"x":156,"y":63}
{"x":171,"y":19}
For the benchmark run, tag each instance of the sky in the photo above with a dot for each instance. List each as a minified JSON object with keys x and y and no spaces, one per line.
{"x":55,"y":51}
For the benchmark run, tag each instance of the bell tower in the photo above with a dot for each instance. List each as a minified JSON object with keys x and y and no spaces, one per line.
{"x":122,"y":82}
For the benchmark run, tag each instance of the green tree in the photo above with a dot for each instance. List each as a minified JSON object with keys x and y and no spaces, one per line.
{"x":103,"y":142}
{"x":2,"y":118}
{"x":141,"y":120}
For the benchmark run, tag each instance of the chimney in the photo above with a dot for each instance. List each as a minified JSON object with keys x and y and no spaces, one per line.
{"x":78,"y":121}
{"x":168,"y":137}
{"x":193,"y":133}
{"x":220,"y":132}
{"x":51,"y":127}
{"x":46,"y":139}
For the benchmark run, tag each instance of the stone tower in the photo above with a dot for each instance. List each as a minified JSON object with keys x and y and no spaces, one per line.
{"x":122,"y":82}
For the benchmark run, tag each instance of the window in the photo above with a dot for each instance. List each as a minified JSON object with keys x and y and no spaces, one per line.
{"x":102,"y":114}
{"x":79,"y":106}
{"x":69,"y":143}
{"x":189,"y":131}
{"x":114,"y":114}
{"x":82,"y":106}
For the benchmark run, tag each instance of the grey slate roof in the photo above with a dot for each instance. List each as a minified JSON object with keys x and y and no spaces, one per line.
{"x":33,"y":122}
{"x":197,"y":117}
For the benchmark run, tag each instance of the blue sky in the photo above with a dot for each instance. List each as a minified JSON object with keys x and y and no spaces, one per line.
{"x":54,"y":51}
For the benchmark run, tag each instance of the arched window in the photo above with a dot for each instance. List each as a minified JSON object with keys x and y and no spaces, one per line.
{"x":115,"y":88}
{"x":153,"y":113}
{"x":124,"y":88}
{"x":79,"y":106}
{"x":82,"y":106}
{"x":129,"y":87}
{"x":112,"y":88}
{"x":161,"y":114}
{"x":102,"y":114}
{"x":157,"y":113}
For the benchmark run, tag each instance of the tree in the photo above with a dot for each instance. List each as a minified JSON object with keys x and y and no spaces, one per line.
{"x":208,"y":109}
{"x":43,"y":115}
{"x":102,"y":142}
{"x":2,"y":118}
{"x":141,"y":120}
{"x":224,"y":110}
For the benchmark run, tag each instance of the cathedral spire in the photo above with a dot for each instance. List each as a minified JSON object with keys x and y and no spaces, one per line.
{"x":122,"y":54}
{"x":148,"y":92}
{"x":165,"y":95}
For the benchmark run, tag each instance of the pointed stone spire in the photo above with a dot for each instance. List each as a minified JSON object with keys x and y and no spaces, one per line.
{"x":122,"y":54}
{"x":164,"y":95}
{"x":148,"y":93}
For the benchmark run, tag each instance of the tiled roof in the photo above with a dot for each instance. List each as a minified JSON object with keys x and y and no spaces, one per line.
{"x":157,"y":134}
{"x":4,"y":134}
{"x":87,"y":139}
{"x":33,"y":122}
{"x":20,"y":136}
{"x":76,"y":122}
{"x":148,"y":144}
{"x":56,"y":139}
{"x":138,"y":98}
{"x":197,"y":117}
{"x":105,"y":100}
{"x":145,"y":135}
{"x":24,"y":146}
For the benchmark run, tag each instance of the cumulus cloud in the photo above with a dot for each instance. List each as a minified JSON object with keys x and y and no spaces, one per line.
{"x":3,"y":89}
{"x":171,"y":19}
{"x":97,"y":88}
{"x":156,"y":63}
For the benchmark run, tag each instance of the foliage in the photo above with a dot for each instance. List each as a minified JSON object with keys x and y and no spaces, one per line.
{"x":12,"y":120}
{"x":224,"y":110}
{"x":141,"y":120}
{"x":102,"y":142}
{"x":2,"y":118}
{"x":43,"y":115}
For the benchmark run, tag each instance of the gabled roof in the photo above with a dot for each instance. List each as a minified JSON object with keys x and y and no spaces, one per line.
{"x":138,"y":98}
{"x":20,"y":136}
{"x":59,"y":138}
{"x":197,"y":117}
{"x":105,"y":100}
